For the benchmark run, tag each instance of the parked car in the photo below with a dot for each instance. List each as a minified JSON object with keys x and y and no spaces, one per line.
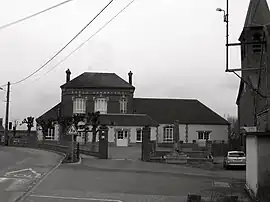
{"x":234,"y":159}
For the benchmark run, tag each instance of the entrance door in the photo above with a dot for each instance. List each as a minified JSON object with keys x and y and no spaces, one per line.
{"x":122,"y":138}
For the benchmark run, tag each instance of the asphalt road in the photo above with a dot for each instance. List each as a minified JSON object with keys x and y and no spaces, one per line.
{"x":80,"y":183}
{"x":20,"y":168}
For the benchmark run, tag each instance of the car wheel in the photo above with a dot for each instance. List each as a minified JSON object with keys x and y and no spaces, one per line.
{"x":225,"y":166}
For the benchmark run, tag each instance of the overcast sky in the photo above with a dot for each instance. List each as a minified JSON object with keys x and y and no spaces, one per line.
{"x":175,"y":48}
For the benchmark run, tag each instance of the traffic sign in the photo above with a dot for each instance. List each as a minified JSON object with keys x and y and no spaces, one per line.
{"x":72,"y":130}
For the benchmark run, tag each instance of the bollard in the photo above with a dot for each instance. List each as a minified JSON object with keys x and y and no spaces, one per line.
{"x":194,"y":198}
{"x":78,"y":151}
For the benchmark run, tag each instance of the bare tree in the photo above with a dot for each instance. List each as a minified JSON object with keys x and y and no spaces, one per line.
{"x":232,"y":120}
{"x":93,"y":120}
{"x":29,"y":121}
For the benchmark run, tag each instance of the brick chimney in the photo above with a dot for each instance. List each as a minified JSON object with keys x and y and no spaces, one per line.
{"x":130,"y":77}
{"x":68,"y":73}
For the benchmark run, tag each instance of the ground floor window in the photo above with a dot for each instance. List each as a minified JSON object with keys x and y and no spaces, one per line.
{"x":203,"y":135}
{"x":139,"y":135}
{"x":168,"y":134}
{"x":50,"y":134}
{"x":121,"y":134}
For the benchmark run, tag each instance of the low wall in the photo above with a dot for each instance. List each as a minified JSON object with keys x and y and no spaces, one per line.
{"x":62,"y":146}
{"x":219,"y":149}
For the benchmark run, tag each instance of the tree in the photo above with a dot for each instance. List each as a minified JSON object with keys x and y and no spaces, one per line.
{"x":232,"y":120}
{"x":29,"y":121}
{"x":93,"y":120}
{"x":16,"y":122}
{"x":45,"y":125}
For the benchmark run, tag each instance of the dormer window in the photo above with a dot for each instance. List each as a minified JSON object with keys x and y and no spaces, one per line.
{"x":101,"y":105}
{"x":79,"y":106}
{"x":123,"y":105}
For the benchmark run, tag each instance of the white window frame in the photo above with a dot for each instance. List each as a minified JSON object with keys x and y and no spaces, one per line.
{"x":206,"y":133}
{"x":50,"y":134}
{"x":101,"y":105}
{"x":123,"y":106}
{"x":79,"y":105}
{"x":139,"y":132}
{"x":202,"y":135}
{"x":168,"y":134}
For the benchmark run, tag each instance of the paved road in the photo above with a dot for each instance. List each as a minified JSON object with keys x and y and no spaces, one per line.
{"x":20,"y":168}
{"x":79,"y":183}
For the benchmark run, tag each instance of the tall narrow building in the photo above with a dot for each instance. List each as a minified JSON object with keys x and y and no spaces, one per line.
{"x":252,"y":100}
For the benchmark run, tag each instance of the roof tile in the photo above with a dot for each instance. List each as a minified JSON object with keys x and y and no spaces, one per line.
{"x":186,"y":111}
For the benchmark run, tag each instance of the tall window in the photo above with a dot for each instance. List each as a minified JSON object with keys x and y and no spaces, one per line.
{"x":50,"y":134}
{"x":139,"y":135}
{"x":203,"y":135}
{"x":123,"y":106}
{"x":101,"y":105}
{"x":200,"y":135}
{"x":79,"y":106}
{"x":168,"y":134}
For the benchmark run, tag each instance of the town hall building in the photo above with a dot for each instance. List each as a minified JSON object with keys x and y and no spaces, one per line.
{"x":125,"y":115}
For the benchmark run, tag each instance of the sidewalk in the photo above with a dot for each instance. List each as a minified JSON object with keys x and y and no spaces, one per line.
{"x":147,"y":167}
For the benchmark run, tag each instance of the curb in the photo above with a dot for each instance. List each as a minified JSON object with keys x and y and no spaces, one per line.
{"x":159,"y":172}
{"x":250,"y":193}
{"x":76,"y":163}
{"x":38,"y":181}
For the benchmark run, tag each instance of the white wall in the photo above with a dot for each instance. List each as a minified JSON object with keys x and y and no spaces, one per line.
{"x":56,"y":132}
{"x":252,"y":163}
{"x":133,"y":132}
{"x":219,"y":132}
{"x":111,"y":133}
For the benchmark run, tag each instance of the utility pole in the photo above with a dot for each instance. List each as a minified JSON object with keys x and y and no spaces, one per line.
{"x":7,"y":114}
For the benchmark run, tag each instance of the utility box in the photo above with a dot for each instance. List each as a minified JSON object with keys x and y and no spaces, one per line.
{"x":258,"y":164}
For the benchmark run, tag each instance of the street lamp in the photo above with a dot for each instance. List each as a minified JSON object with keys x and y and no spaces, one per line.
{"x":226,"y":20}
{"x":224,"y":14}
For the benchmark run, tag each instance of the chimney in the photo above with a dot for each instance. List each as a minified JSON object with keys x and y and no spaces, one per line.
{"x":68,"y":73}
{"x":130,"y":77}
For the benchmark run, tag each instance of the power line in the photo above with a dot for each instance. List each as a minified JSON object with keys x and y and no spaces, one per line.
{"x":72,"y":52}
{"x":64,"y":46}
{"x":33,"y":15}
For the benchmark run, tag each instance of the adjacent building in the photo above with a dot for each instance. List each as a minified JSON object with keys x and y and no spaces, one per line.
{"x":125,"y":115}
{"x":254,"y":89}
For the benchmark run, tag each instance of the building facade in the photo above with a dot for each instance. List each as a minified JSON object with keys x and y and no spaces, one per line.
{"x":125,"y":115}
{"x":253,"y":96}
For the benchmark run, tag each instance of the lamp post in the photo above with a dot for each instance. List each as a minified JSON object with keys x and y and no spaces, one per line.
{"x":7,"y":114}
{"x":226,"y":20}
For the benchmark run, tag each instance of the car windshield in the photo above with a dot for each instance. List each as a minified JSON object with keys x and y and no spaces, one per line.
{"x":237,"y":154}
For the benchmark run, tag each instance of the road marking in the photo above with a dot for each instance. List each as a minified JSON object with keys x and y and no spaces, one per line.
{"x":17,"y":173}
{"x":221,"y":184}
{"x":75,"y":198}
{"x":3,"y":179}
{"x":32,"y":189}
